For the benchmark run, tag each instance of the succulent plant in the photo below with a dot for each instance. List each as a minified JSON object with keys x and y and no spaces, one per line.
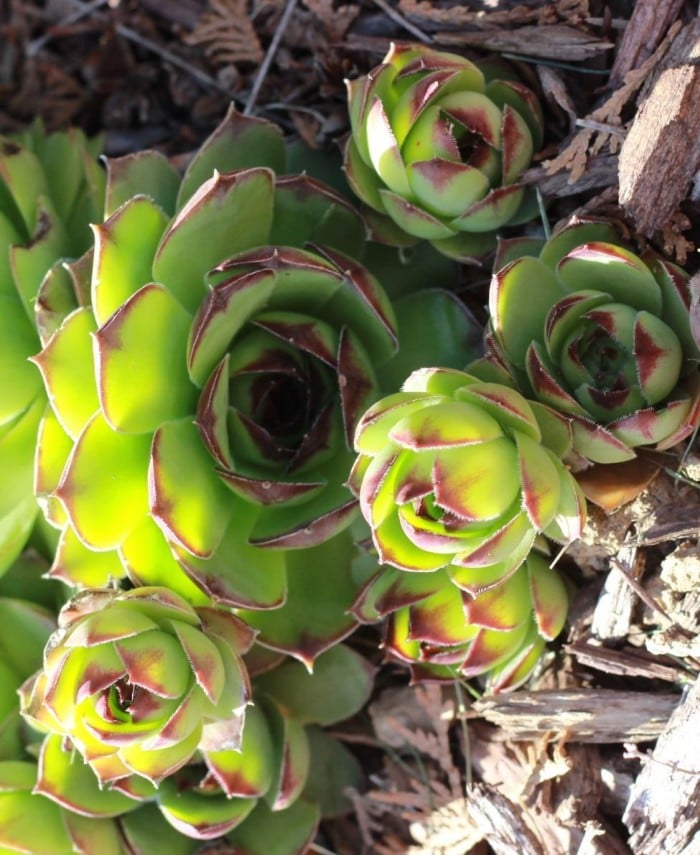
{"x":445,"y":633}
{"x":137,"y":679}
{"x":437,"y":147}
{"x":51,"y":188}
{"x":205,"y":400}
{"x":602,"y":335}
{"x":245,"y":777}
{"x":453,"y":472}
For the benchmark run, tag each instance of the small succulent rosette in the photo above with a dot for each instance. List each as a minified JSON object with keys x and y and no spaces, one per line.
{"x":51,"y":188}
{"x":601,"y":335}
{"x":203,"y":402}
{"x":461,"y":473}
{"x":264,"y":783}
{"x":437,"y":148}
{"x":137,"y":679}
{"x":442,"y":632}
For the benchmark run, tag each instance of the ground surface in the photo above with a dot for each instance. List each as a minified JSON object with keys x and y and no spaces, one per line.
{"x":599,"y":754}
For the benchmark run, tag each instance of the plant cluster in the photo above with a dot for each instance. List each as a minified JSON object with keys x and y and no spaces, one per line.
{"x":237,"y":421}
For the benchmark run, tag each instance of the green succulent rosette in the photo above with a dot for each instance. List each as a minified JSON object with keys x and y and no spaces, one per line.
{"x":437,"y":148}
{"x":51,"y":188}
{"x":443,"y":633}
{"x":137,"y":679}
{"x":600,"y":334}
{"x":255,"y":781}
{"x":204,"y":398}
{"x":458,"y":473}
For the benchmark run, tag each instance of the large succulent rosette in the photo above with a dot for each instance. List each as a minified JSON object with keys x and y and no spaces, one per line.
{"x":464,"y":474}
{"x":602,"y":335}
{"x":205,"y":398}
{"x":51,"y":188}
{"x":437,"y":148}
{"x":137,"y":680}
{"x":442,"y":632}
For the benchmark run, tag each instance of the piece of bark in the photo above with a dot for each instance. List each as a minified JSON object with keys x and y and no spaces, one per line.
{"x":661,"y":153}
{"x":649,"y":22}
{"x":554,"y":41}
{"x":586,"y":715}
{"x":612,"y":616}
{"x":501,"y":822}
{"x":627,"y":662}
{"x":662,"y":812}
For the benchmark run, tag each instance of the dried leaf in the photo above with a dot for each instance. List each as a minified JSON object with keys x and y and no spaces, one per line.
{"x":227,"y":34}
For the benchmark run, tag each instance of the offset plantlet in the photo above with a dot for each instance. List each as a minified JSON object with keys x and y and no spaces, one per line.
{"x":452,"y":472}
{"x":51,"y":188}
{"x":602,"y":335}
{"x":136,"y":680}
{"x":437,"y":148}
{"x":205,"y":400}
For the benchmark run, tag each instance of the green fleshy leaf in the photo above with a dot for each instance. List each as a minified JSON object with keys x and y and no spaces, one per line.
{"x":266,"y":832}
{"x":340,"y":684}
{"x":66,"y":366}
{"x":30,"y":262}
{"x":549,"y":597}
{"x":22,"y":184}
{"x":315,"y":615}
{"x":66,"y":779}
{"x":519,"y":298}
{"x":104,"y":486}
{"x":333,"y":771}
{"x":125,"y":245}
{"x":148,"y":334}
{"x":307,"y":211}
{"x":9,"y":235}
{"x":504,"y":607}
{"x":371,"y":435}
{"x":24,"y":631}
{"x":15,"y":528}
{"x":239,"y":142}
{"x":227,"y":214}
{"x":491,"y":212}
{"x":238,"y":574}
{"x":614,"y":270}
{"x":32,"y":824}
{"x":80,"y":566}
{"x":246,"y":773}
{"x":53,"y":447}
{"x":148,"y":173}
{"x":571,"y":236}
{"x":413,"y":219}
{"x":149,"y":560}
{"x":540,"y":480}
{"x":507,"y":406}
{"x":464,"y":479}
{"x":56,"y":299}
{"x":435,"y":328}
{"x":16,"y":464}
{"x":201,"y":815}
{"x":156,"y":765}
{"x":18,"y":341}
{"x":395,"y":548}
{"x":439,"y":619}
{"x":146,"y":831}
{"x":93,"y":836}
{"x":196,"y":518}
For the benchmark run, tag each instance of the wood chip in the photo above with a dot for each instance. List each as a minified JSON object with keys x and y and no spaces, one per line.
{"x":586,"y":715}
{"x":649,"y":22}
{"x":501,"y":822}
{"x":557,"y":41}
{"x":662,"y":813}
{"x":661,"y":153}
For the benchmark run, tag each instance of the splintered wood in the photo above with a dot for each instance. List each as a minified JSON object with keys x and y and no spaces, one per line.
{"x":662,"y":812}
{"x":590,"y":715}
{"x":661,"y":153}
